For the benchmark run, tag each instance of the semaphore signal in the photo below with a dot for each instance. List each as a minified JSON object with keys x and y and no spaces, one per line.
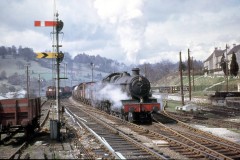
{"x":59,"y":55}
{"x":45,"y":23}
{"x":57,"y":25}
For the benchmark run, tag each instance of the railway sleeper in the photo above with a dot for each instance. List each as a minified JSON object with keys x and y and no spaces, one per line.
{"x":235,"y":156}
{"x":136,"y":154}
{"x":220,"y":149}
{"x":196,"y":156}
{"x":125,"y":147}
{"x":230,"y":154}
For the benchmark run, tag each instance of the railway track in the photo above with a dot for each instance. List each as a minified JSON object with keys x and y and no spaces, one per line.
{"x":189,"y":117}
{"x":176,"y":142}
{"x":13,"y":146}
{"x":202,"y":140}
{"x":116,"y":144}
{"x":66,"y":147}
{"x":222,"y":111}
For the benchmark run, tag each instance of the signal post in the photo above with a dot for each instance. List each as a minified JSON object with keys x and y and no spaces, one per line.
{"x":58,"y":63}
{"x":58,"y":25}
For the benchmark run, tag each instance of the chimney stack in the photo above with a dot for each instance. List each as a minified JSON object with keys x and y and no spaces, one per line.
{"x":135,"y":71}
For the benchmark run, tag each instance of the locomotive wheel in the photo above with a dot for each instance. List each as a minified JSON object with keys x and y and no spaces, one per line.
{"x":130,"y":117}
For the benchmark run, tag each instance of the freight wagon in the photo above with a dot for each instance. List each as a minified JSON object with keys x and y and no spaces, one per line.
{"x":20,"y":114}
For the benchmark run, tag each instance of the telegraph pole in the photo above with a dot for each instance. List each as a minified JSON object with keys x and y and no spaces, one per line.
{"x":180,"y":70}
{"x":145,"y":70}
{"x":92,"y":70}
{"x":27,"y":83}
{"x":189,"y":76}
{"x":226,"y":68}
{"x":39,"y":84}
{"x":193,"y":74}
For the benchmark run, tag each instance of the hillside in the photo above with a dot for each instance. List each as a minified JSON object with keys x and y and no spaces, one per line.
{"x":18,"y":65}
{"x":13,"y":74}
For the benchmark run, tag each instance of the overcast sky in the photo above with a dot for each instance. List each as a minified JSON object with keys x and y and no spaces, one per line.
{"x":130,"y":31}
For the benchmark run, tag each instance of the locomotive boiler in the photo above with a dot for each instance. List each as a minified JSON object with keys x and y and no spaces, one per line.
{"x":137,"y":106}
{"x":135,"y":85}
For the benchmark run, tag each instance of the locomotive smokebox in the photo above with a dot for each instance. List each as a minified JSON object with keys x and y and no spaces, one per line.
{"x":135,"y":71}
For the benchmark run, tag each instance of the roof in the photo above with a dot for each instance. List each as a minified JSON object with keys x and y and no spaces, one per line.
{"x":234,"y":49}
{"x":217,"y":53}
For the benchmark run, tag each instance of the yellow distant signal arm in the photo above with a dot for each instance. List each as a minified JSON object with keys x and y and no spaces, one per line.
{"x":49,"y":55}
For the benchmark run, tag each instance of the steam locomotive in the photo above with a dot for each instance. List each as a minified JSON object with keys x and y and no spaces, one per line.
{"x":135,"y":102}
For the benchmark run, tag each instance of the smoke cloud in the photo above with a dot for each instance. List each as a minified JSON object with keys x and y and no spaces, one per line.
{"x":127,"y":17}
{"x":112,"y":93}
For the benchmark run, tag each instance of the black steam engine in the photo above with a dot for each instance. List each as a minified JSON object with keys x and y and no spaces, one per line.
{"x":136,"y":86}
{"x":137,"y":107}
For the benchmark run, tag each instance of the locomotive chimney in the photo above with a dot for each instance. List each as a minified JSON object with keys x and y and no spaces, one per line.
{"x":125,"y":74}
{"x":135,"y":71}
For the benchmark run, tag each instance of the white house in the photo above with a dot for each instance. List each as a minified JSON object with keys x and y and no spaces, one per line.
{"x":212,"y":63}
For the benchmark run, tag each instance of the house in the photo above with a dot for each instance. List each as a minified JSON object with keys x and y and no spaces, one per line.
{"x":212,"y":63}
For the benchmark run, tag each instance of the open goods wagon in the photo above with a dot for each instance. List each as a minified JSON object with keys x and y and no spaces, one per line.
{"x":21,"y":114}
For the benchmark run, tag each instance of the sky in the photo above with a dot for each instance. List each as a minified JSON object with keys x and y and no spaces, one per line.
{"x":129,"y":31}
